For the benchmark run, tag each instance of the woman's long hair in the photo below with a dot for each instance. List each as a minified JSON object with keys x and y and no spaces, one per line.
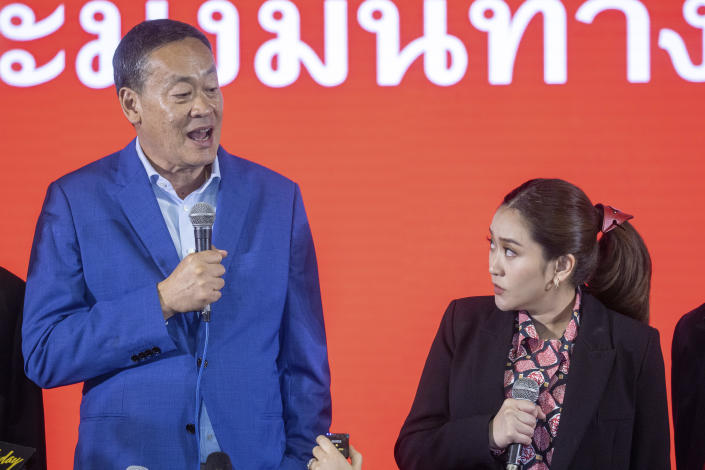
{"x":616,"y":269}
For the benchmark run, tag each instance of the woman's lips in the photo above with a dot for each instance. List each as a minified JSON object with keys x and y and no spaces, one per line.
{"x":498,"y":290}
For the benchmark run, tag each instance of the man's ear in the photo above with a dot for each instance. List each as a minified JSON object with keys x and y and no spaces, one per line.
{"x":565,"y":265}
{"x":131,"y":105}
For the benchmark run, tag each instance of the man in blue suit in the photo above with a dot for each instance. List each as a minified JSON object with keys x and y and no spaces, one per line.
{"x":114,"y":285}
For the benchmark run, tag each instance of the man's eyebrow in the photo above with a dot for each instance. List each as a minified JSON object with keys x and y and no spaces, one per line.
{"x":174,"y":79}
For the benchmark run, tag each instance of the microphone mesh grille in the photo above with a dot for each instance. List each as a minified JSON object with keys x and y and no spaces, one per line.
{"x":525,"y":389}
{"x":202,"y":214}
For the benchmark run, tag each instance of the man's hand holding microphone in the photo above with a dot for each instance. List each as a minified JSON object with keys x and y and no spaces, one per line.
{"x":195,"y":283}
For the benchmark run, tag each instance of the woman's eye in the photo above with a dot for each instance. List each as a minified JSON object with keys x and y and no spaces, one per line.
{"x":489,"y":240}
{"x":508,"y":252}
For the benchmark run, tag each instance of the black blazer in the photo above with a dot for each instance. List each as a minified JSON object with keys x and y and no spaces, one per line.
{"x":614,"y":415}
{"x":688,"y":389}
{"x":21,"y":409}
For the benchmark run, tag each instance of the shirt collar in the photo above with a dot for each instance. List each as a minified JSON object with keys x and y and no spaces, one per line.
{"x":527,"y":330}
{"x":154,"y":177}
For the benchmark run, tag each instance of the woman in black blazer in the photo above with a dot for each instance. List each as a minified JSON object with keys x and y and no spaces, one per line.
{"x":570,"y":311}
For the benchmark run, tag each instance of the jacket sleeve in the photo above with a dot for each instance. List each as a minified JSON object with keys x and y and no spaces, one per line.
{"x":303,"y":356}
{"x":685,"y":362}
{"x":651,"y":438}
{"x":67,"y":335}
{"x":430,"y":436}
{"x":21,"y":406}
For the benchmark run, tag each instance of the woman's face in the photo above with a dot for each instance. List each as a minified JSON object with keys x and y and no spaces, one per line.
{"x":518,"y":270}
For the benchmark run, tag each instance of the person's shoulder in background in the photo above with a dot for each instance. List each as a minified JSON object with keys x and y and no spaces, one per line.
{"x":688,"y":389}
{"x":692,"y":323}
{"x":21,"y":407}
{"x":11,"y":292}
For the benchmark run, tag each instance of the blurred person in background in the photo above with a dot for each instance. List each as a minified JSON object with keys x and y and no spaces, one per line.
{"x":688,"y":390}
{"x":21,"y":406}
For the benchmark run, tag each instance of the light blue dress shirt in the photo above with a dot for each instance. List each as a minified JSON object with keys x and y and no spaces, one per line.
{"x":176,"y":215}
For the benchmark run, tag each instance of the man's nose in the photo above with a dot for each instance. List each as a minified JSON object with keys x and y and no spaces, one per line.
{"x":202,"y":105}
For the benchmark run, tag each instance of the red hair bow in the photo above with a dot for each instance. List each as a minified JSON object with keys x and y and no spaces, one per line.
{"x":612,"y":217}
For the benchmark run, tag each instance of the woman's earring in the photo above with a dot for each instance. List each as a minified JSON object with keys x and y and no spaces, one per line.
{"x":556,"y":282}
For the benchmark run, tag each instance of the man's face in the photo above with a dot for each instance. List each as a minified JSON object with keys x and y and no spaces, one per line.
{"x":180,"y":106}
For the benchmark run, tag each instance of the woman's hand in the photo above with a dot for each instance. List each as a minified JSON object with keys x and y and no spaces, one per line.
{"x":514,"y":423}
{"x":328,"y":457}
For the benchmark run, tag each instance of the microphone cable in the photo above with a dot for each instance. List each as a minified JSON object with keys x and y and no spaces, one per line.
{"x":198,"y":396}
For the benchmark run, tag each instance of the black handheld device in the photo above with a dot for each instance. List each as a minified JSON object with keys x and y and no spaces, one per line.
{"x":341,"y":441}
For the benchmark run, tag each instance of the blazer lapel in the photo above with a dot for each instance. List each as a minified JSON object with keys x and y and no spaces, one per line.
{"x":493,"y":346}
{"x":234,"y":196}
{"x":142,"y":210}
{"x":590,"y":368}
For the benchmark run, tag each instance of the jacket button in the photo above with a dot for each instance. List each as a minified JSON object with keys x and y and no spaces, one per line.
{"x":142,"y":355}
{"x":156,"y":350}
{"x":135,"y":358}
{"x":191,"y":428}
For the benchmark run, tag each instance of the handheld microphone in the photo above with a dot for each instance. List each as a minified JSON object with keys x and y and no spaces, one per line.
{"x":523,"y":389}
{"x":218,"y":461}
{"x":202,"y":217}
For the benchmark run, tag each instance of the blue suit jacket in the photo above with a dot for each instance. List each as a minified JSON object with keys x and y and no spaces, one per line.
{"x":92,"y":314}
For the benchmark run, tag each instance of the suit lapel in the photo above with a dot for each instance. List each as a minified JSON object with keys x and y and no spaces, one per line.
{"x":590,"y":369}
{"x":140,"y":206}
{"x":234,"y":196}
{"x":493,"y":346}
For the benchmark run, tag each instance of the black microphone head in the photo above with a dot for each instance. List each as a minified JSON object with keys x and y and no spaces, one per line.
{"x":218,"y":461}
{"x":525,"y":389}
{"x":202,"y":215}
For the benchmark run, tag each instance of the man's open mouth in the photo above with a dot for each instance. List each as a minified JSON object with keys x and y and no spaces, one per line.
{"x":202,"y":134}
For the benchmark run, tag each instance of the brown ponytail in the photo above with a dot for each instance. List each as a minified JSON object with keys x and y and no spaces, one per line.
{"x":561,"y":218}
{"x":622,"y":280}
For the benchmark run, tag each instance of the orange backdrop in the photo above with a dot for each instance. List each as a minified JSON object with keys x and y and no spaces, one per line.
{"x":400,"y":180}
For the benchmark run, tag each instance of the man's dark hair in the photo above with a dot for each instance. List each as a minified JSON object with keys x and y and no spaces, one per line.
{"x":130,"y":58}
